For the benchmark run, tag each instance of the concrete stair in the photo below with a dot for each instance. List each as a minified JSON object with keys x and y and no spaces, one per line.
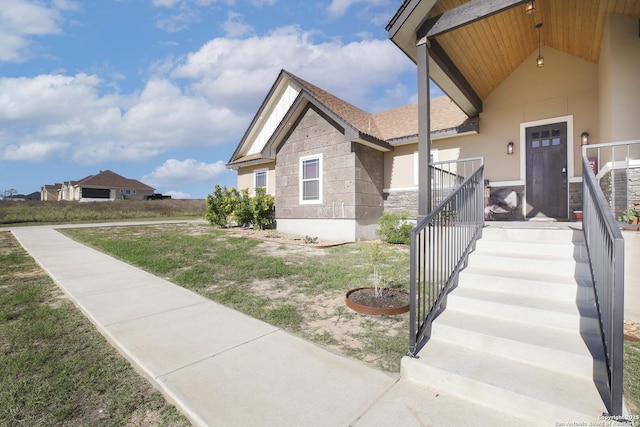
{"x":520,"y":332}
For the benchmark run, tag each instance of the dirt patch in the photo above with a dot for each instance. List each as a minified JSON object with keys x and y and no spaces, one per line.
{"x":631,"y":331}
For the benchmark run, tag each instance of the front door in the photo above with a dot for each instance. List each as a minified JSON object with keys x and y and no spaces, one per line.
{"x":547,"y":171}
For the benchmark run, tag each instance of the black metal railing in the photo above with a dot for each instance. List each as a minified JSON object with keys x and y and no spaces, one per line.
{"x":446,"y":176}
{"x":440,"y":244}
{"x":605,"y":246}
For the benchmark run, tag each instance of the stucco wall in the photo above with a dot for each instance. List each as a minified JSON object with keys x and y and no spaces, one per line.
{"x":246,"y":179}
{"x":619,"y":68}
{"x":565,"y":86}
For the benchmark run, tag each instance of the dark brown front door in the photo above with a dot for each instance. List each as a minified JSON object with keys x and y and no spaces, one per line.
{"x":547,"y":171}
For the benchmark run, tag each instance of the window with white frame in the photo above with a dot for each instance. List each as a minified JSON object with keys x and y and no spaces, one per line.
{"x":311,"y":179}
{"x":260,"y":179}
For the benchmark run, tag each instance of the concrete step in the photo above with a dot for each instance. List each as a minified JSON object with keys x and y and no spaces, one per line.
{"x":533,"y":249}
{"x":520,"y":332}
{"x":530,"y":311}
{"x":541,"y":235}
{"x":530,"y":266}
{"x":492,"y":280}
{"x":522,"y":342}
{"x":528,"y":392}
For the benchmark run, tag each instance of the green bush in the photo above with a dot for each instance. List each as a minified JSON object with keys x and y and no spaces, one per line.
{"x":394,"y":228}
{"x":221,"y":205}
{"x":243,"y":211}
{"x":230,"y":206}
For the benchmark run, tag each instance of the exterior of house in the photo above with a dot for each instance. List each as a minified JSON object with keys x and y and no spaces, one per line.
{"x":334,"y":168}
{"x":50,"y":192}
{"x":104,"y":186}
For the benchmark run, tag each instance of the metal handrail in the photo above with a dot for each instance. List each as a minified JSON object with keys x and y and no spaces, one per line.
{"x":440,"y":244}
{"x":605,"y":247}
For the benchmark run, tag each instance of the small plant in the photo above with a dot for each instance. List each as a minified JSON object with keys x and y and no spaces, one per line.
{"x":394,"y":228}
{"x":377,"y":258}
{"x":631,"y":215}
{"x":448,"y":215}
{"x":310,"y":240}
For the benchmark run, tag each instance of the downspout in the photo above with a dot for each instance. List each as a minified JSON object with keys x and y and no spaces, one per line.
{"x":424,"y":130}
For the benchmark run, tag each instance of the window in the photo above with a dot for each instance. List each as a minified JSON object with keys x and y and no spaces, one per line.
{"x":311,"y":179}
{"x":260,"y":179}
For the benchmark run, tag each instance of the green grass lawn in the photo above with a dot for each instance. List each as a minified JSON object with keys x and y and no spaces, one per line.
{"x":632,"y":378}
{"x":51,"y":212}
{"x":297,"y":288}
{"x":55,"y":368}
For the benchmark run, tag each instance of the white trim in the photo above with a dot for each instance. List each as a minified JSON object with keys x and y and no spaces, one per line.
{"x":300,"y":186}
{"x":523,"y":153}
{"x":398,"y":190}
{"x":505,"y":183}
{"x":266,"y":178}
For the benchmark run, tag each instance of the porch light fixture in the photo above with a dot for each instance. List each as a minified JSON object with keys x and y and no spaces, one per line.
{"x":584,"y":138}
{"x":510,"y":148}
{"x":529,"y":7}
{"x":540,"y":59}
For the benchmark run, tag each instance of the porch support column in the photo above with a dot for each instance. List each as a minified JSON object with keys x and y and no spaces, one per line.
{"x":424,"y":131}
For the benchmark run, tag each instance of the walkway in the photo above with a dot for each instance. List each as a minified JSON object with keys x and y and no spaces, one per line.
{"x":221,"y":367}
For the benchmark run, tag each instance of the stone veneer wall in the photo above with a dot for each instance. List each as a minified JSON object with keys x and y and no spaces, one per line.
{"x":369,"y":181}
{"x":627,"y":189}
{"x":405,"y":201}
{"x":575,"y":198}
{"x":351,"y":173}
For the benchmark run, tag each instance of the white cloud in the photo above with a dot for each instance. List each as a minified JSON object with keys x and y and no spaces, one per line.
{"x":21,"y":20}
{"x":261,"y":3}
{"x":66,"y":112}
{"x":238,"y":72}
{"x":205,"y":99}
{"x":178,"y":194}
{"x":234,"y":26}
{"x":33,"y":151}
{"x":174,"y":173}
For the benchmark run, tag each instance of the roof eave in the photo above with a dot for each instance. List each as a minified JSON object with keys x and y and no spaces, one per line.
{"x":402,"y":30}
{"x":372,"y":142}
{"x":239,"y":163}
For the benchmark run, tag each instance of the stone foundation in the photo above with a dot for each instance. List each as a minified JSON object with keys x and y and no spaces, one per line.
{"x":398,"y":202}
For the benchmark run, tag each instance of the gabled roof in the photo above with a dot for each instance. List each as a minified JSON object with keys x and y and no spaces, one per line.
{"x":379,"y":130}
{"x":111,"y":179}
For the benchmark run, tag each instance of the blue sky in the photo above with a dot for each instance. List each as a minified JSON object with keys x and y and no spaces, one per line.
{"x":163,"y":90}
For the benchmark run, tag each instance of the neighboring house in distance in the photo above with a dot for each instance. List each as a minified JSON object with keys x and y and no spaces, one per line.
{"x":104,"y":186}
{"x":333,"y":167}
{"x":23,"y":197}
{"x":50,"y":192}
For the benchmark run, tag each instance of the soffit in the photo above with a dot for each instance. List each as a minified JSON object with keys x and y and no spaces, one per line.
{"x":488,"y":51}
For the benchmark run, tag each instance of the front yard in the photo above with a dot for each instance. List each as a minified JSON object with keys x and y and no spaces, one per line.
{"x":290,"y":284}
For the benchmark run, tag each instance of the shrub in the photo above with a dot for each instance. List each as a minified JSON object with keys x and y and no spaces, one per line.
{"x":394,"y":228}
{"x":263,"y":208}
{"x":243,"y":211}
{"x":221,"y":205}
{"x":227,"y":206}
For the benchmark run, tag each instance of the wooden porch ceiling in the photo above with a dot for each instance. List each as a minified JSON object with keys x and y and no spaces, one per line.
{"x":487,"y":51}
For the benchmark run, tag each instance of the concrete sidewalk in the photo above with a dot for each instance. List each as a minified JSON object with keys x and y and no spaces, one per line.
{"x":223,"y":368}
